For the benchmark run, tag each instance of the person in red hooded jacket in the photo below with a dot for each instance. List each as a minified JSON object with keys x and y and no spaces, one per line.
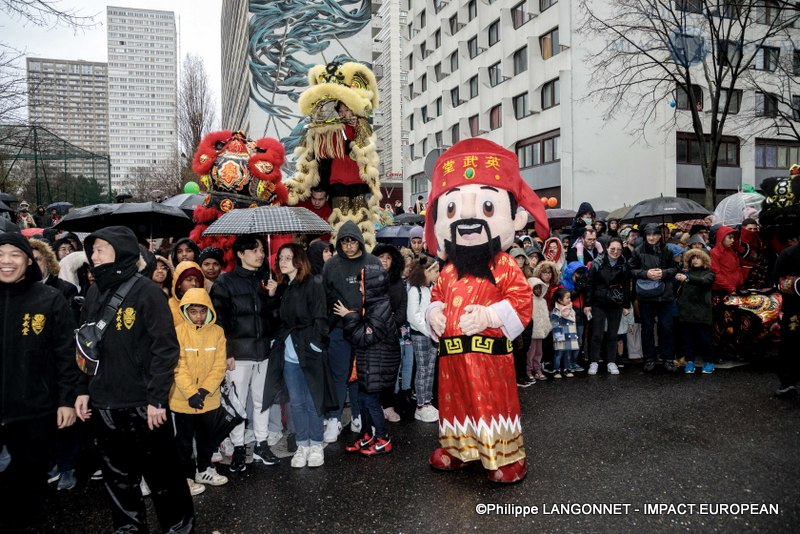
{"x":725,"y":262}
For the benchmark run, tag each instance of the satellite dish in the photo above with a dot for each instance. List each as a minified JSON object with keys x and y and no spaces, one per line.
{"x":430,"y":161}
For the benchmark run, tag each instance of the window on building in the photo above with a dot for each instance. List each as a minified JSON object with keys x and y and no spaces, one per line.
{"x":473,"y":125}
{"x":411,"y":122}
{"x":454,"y":62}
{"x":519,"y":14}
{"x":438,"y":138}
{"x":455,"y":98}
{"x":494,"y":32}
{"x":410,"y":61}
{"x":551,"y":94}
{"x":544,"y":4}
{"x":540,"y":150}
{"x":438,"y":5}
{"x":455,"y":134}
{"x":423,"y":49}
{"x":521,"y":106}
{"x":437,"y":106}
{"x":767,"y":58}
{"x":472,"y":47}
{"x":422,"y":19}
{"x":412,"y":152}
{"x":767,"y":12}
{"x":411,"y":90}
{"x":766,"y":104}
{"x":424,"y":147}
{"x":682,"y":98}
{"x":521,"y":60}
{"x":454,"y":27}
{"x":736,"y":100}
{"x":472,"y":9}
{"x":549,"y":44}
{"x":437,"y":38}
{"x":495,"y":74}
{"x":496,"y":117}
{"x":424,"y":112}
{"x":437,"y":71}
{"x":473,"y":87}
{"x":796,"y":61}
{"x":688,"y":150}
{"x":423,"y":83}
{"x":731,"y":52}
{"x":774,"y":154}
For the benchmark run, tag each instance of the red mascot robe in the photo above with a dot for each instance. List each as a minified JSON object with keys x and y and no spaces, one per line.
{"x":479,"y":415}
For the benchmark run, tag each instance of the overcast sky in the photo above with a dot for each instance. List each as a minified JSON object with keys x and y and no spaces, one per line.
{"x":197,"y":23}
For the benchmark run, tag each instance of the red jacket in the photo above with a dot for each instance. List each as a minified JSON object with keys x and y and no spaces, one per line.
{"x":725,"y":264}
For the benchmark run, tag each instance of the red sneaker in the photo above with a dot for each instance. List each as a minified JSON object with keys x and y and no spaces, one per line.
{"x":361,"y":443}
{"x":509,"y":474}
{"x":379,"y":446}
{"x":444,"y":461}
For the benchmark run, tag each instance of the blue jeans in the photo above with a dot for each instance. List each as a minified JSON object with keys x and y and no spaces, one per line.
{"x":339,"y":358}
{"x":648,"y":311}
{"x":372,"y":413}
{"x":569,"y":357}
{"x":307,"y":422}
{"x":406,"y":367}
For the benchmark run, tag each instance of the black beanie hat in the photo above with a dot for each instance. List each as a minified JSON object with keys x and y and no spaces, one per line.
{"x":211,"y":252}
{"x":21,"y":242}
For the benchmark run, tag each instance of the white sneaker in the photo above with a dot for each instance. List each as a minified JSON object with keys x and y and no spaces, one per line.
{"x":355,"y":424}
{"x":194,"y":487}
{"x":332,"y":430}
{"x":612,"y":368}
{"x":593,"y":368}
{"x":273,"y":438}
{"x":145,"y":489}
{"x":210,"y":477}
{"x":316,"y":456}
{"x":427,"y":414}
{"x":300,"y":457}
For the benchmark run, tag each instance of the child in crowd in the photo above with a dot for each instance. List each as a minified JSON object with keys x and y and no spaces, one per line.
{"x":423,"y":274}
{"x":576,"y":281}
{"x":694,"y":308}
{"x":541,"y":328}
{"x":565,"y":334}
{"x":372,"y":332}
{"x":187,"y":275}
{"x":195,"y":398}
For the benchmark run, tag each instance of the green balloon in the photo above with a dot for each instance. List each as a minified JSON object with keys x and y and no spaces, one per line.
{"x":748,"y":188}
{"x":192,"y":188}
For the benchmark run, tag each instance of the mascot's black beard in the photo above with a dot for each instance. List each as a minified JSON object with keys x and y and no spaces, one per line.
{"x":472,"y":260}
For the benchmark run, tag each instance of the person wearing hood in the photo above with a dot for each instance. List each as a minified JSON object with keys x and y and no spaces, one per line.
{"x":584,"y":218}
{"x":694,"y":309}
{"x":725,"y":262}
{"x":613,"y":228}
{"x":129,"y":393}
{"x":66,"y":245}
{"x":541,"y":328}
{"x":195,"y":397}
{"x":319,"y":252}
{"x":245,"y":312}
{"x":696,"y":241}
{"x":553,"y":251}
{"x":416,"y":241}
{"x":211,"y":262}
{"x":653,"y":269}
{"x":41,"y":219}
{"x":37,"y":381}
{"x":340,"y":279}
{"x":607,"y":301}
{"x":534,"y":254}
{"x":184,"y":249}
{"x":187,"y":275}
{"x":50,"y":269}
{"x":576,"y":281}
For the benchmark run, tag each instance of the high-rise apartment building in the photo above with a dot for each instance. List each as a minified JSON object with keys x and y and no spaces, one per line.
{"x":142,"y":90}
{"x":70,"y":98}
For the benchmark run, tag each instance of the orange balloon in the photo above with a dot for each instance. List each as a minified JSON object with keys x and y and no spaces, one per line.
{"x":552,"y":202}
{"x":544,"y":200}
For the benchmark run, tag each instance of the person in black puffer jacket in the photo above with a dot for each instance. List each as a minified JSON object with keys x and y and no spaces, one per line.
{"x":372,"y":332}
{"x":138,"y":355}
{"x":609,"y":297}
{"x":248,"y":315}
{"x":653,"y":268}
{"x":37,"y":381}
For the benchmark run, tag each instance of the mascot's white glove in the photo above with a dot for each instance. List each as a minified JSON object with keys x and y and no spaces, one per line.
{"x":437,"y":321}
{"x":478,"y":318}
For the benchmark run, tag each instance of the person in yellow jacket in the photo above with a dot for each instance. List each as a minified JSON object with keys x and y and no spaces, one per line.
{"x":195,"y":396}
{"x":187,"y":275}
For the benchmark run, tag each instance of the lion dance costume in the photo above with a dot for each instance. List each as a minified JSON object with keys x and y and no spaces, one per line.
{"x":338,"y":153}
{"x":235,"y":172}
{"x":480,"y":302}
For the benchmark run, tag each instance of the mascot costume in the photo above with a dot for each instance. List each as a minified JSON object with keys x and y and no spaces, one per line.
{"x":479,"y":304}
{"x":236,"y":172}
{"x":338,"y":152}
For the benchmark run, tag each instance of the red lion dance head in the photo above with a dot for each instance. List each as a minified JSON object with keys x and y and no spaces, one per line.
{"x":235,"y":172}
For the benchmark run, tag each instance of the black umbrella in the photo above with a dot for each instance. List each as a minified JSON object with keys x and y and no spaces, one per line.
{"x":7,"y":197}
{"x":557,"y":217}
{"x":87,"y":218}
{"x":8,"y":226}
{"x":664,"y":210}
{"x":184,"y":201}
{"x":409,"y":218}
{"x":152,"y":219}
{"x":60,"y":207}
{"x":5,"y":207}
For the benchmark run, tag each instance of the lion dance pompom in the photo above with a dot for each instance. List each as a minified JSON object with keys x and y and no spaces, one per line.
{"x":338,"y":152}
{"x":235,"y":172}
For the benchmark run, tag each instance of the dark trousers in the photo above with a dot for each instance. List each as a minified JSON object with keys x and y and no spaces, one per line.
{"x":521,"y":346}
{"x":372,"y":413}
{"x":129,"y":451}
{"x":23,"y":485}
{"x":697,"y":341}
{"x":648,"y":311}
{"x":341,"y":362}
{"x":198,"y":427}
{"x":68,"y":442}
{"x":605,"y":321}
{"x":788,"y":362}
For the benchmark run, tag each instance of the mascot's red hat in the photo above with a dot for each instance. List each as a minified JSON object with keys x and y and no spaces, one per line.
{"x":480,"y":161}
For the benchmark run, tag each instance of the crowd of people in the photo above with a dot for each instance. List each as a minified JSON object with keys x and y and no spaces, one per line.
{"x":298,"y":339}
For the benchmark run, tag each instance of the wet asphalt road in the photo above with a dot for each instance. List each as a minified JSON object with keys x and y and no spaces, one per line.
{"x":634,"y":439}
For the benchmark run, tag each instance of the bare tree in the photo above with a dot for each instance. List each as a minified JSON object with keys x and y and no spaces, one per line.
{"x":663,"y":50}
{"x":196,"y":109}
{"x":46,"y":13}
{"x":157,"y":182}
